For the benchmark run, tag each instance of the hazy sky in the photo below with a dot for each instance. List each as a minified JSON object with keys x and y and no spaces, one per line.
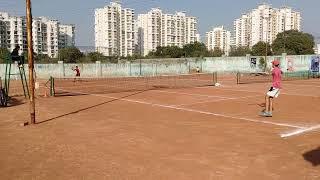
{"x":210,"y":13}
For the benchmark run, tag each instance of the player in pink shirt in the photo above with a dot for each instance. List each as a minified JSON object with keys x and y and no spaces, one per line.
{"x":274,"y":90}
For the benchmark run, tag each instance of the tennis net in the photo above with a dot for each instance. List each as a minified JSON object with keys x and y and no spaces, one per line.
{"x":82,"y":86}
{"x":247,"y":78}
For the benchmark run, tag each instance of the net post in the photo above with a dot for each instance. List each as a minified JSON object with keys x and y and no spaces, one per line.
{"x":238,"y":76}
{"x":214,"y":78}
{"x":52,"y":86}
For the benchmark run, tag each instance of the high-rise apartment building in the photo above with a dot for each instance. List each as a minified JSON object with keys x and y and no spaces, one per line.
{"x":198,"y":37}
{"x":156,"y":28}
{"x":45,"y":34}
{"x":114,"y":30}
{"x":51,"y":30}
{"x":219,"y":38}
{"x":3,"y":31}
{"x":149,"y":31}
{"x":13,"y":31}
{"x":242,"y":31}
{"x":264,"y":24}
{"x":66,"y":35}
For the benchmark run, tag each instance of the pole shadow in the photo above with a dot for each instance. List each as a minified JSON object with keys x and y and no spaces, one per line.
{"x":313,"y":156}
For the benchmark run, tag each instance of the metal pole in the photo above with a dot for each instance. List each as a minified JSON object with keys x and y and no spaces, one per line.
{"x":30,"y":61}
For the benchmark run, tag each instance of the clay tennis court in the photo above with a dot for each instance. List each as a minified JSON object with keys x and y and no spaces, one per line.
{"x":182,"y":133}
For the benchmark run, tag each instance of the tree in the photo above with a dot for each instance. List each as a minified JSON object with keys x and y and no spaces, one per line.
{"x":36,"y":57}
{"x":259,"y":49}
{"x":175,"y":52}
{"x":95,"y":56}
{"x":167,"y":51}
{"x":195,"y":49}
{"x":240,"y":51}
{"x":4,"y":53}
{"x":217,"y":52}
{"x":70,"y":55}
{"x":189,"y":50}
{"x":293,"y":43}
{"x":39,"y":58}
{"x":262,"y":64}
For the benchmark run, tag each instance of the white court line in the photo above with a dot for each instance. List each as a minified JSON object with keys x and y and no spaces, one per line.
{"x":300,"y":131}
{"x":307,"y":85}
{"x":235,"y":89}
{"x":191,"y":94}
{"x":198,"y":111}
{"x":208,"y":101}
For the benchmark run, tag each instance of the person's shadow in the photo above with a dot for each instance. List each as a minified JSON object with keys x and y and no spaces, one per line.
{"x":313,"y":156}
{"x":13,"y":101}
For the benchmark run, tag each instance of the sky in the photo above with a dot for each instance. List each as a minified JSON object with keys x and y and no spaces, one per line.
{"x":210,"y":13}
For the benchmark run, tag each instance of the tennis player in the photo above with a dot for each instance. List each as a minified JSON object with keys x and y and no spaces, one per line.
{"x":77,"y":70}
{"x":274,"y":90}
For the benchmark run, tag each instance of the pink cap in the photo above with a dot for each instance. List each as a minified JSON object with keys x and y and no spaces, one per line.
{"x":276,"y":62}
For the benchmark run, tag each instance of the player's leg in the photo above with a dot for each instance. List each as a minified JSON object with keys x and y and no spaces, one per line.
{"x":271,"y":106}
{"x":268,"y":111}
{"x":267,"y":103}
{"x":268,"y":99}
{"x":277,"y":92}
{"x":271,"y":94}
{"x":266,"y":108}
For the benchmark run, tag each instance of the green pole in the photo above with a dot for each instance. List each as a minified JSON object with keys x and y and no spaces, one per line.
{"x":22,"y":81}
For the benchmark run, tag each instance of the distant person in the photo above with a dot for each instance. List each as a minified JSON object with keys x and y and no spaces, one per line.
{"x":15,"y":56}
{"x":274,"y":90}
{"x":198,"y":69}
{"x":77,"y":70}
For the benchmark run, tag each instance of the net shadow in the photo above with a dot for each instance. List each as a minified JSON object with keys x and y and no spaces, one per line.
{"x":90,"y":107}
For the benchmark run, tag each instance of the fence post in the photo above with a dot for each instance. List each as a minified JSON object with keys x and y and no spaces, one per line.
{"x":98,"y":69}
{"x":61,"y":69}
{"x":130,"y":68}
{"x":140,"y":67}
{"x":248,"y":57}
{"x":283,"y":62}
{"x":156,"y":69}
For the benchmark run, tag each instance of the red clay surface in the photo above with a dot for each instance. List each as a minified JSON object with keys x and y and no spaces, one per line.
{"x":191,"y":133}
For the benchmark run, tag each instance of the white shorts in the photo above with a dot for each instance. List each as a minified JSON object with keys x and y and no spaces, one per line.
{"x":273,"y":92}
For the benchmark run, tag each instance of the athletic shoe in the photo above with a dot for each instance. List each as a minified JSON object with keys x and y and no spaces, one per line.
{"x":266,"y":114}
{"x":269,"y":114}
